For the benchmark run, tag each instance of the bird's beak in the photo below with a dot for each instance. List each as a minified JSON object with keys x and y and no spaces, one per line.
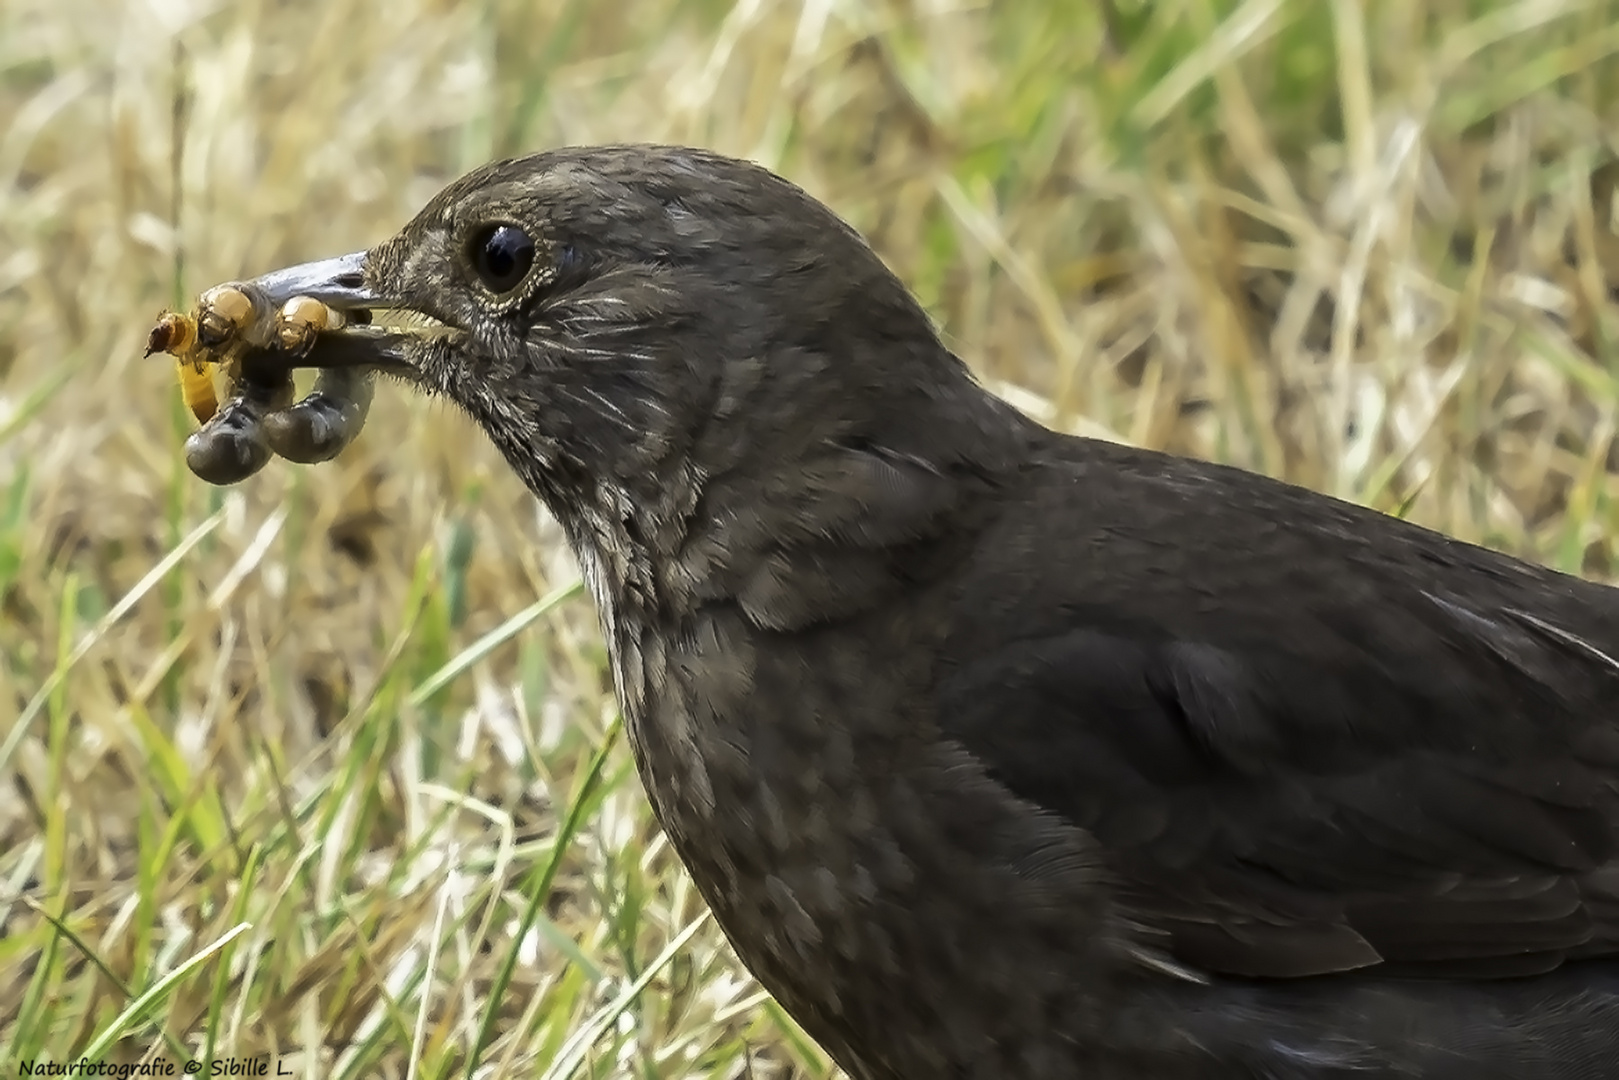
{"x":340,"y":284}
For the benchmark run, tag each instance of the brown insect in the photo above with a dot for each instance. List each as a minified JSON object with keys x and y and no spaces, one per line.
{"x":176,"y":334}
{"x":300,"y":319}
{"x":236,"y":329}
{"x":213,"y":334}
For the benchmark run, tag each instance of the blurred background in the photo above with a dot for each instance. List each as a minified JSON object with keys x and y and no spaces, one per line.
{"x":326,"y":766}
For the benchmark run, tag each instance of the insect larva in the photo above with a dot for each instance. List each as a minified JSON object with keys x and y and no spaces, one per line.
{"x":318,"y":427}
{"x":197,"y":389}
{"x":232,"y":446}
{"x":176,"y":334}
{"x":300,"y":319}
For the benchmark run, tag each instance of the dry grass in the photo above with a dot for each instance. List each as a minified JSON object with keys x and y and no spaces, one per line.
{"x":308,"y":767}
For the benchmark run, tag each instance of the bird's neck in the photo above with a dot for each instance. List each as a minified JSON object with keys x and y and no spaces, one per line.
{"x":832,"y":530}
{"x":793,"y":526}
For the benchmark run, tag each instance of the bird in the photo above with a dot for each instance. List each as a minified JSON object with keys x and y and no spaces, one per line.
{"x":996,"y":751}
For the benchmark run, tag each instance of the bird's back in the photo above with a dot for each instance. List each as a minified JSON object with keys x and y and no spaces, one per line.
{"x":1357,"y":781}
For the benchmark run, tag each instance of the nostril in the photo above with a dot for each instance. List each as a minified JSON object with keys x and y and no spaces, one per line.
{"x":352,"y":279}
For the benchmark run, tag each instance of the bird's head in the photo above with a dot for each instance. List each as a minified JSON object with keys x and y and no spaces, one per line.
{"x":716,"y":386}
{"x":644,"y":317}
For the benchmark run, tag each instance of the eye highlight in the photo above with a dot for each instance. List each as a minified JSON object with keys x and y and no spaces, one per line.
{"x":501,"y":256}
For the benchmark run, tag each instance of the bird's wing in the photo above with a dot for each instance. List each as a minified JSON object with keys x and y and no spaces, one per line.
{"x":1308,"y":738}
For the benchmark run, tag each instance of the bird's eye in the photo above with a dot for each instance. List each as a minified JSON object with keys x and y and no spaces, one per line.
{"x":501,"y":257}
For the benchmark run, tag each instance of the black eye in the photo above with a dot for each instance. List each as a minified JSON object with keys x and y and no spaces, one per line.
{"x":502,"y":256}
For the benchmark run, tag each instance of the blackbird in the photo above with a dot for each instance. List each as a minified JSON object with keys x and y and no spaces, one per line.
{"x":999,"y":752}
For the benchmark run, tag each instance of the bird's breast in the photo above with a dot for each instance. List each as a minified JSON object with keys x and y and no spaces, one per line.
{"x":865,"y":871}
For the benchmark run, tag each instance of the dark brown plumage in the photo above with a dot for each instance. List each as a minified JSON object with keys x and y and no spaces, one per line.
{"x":1000,"y":753}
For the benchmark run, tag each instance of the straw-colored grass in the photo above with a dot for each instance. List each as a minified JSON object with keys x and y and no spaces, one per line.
{"x":325,"y":766}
